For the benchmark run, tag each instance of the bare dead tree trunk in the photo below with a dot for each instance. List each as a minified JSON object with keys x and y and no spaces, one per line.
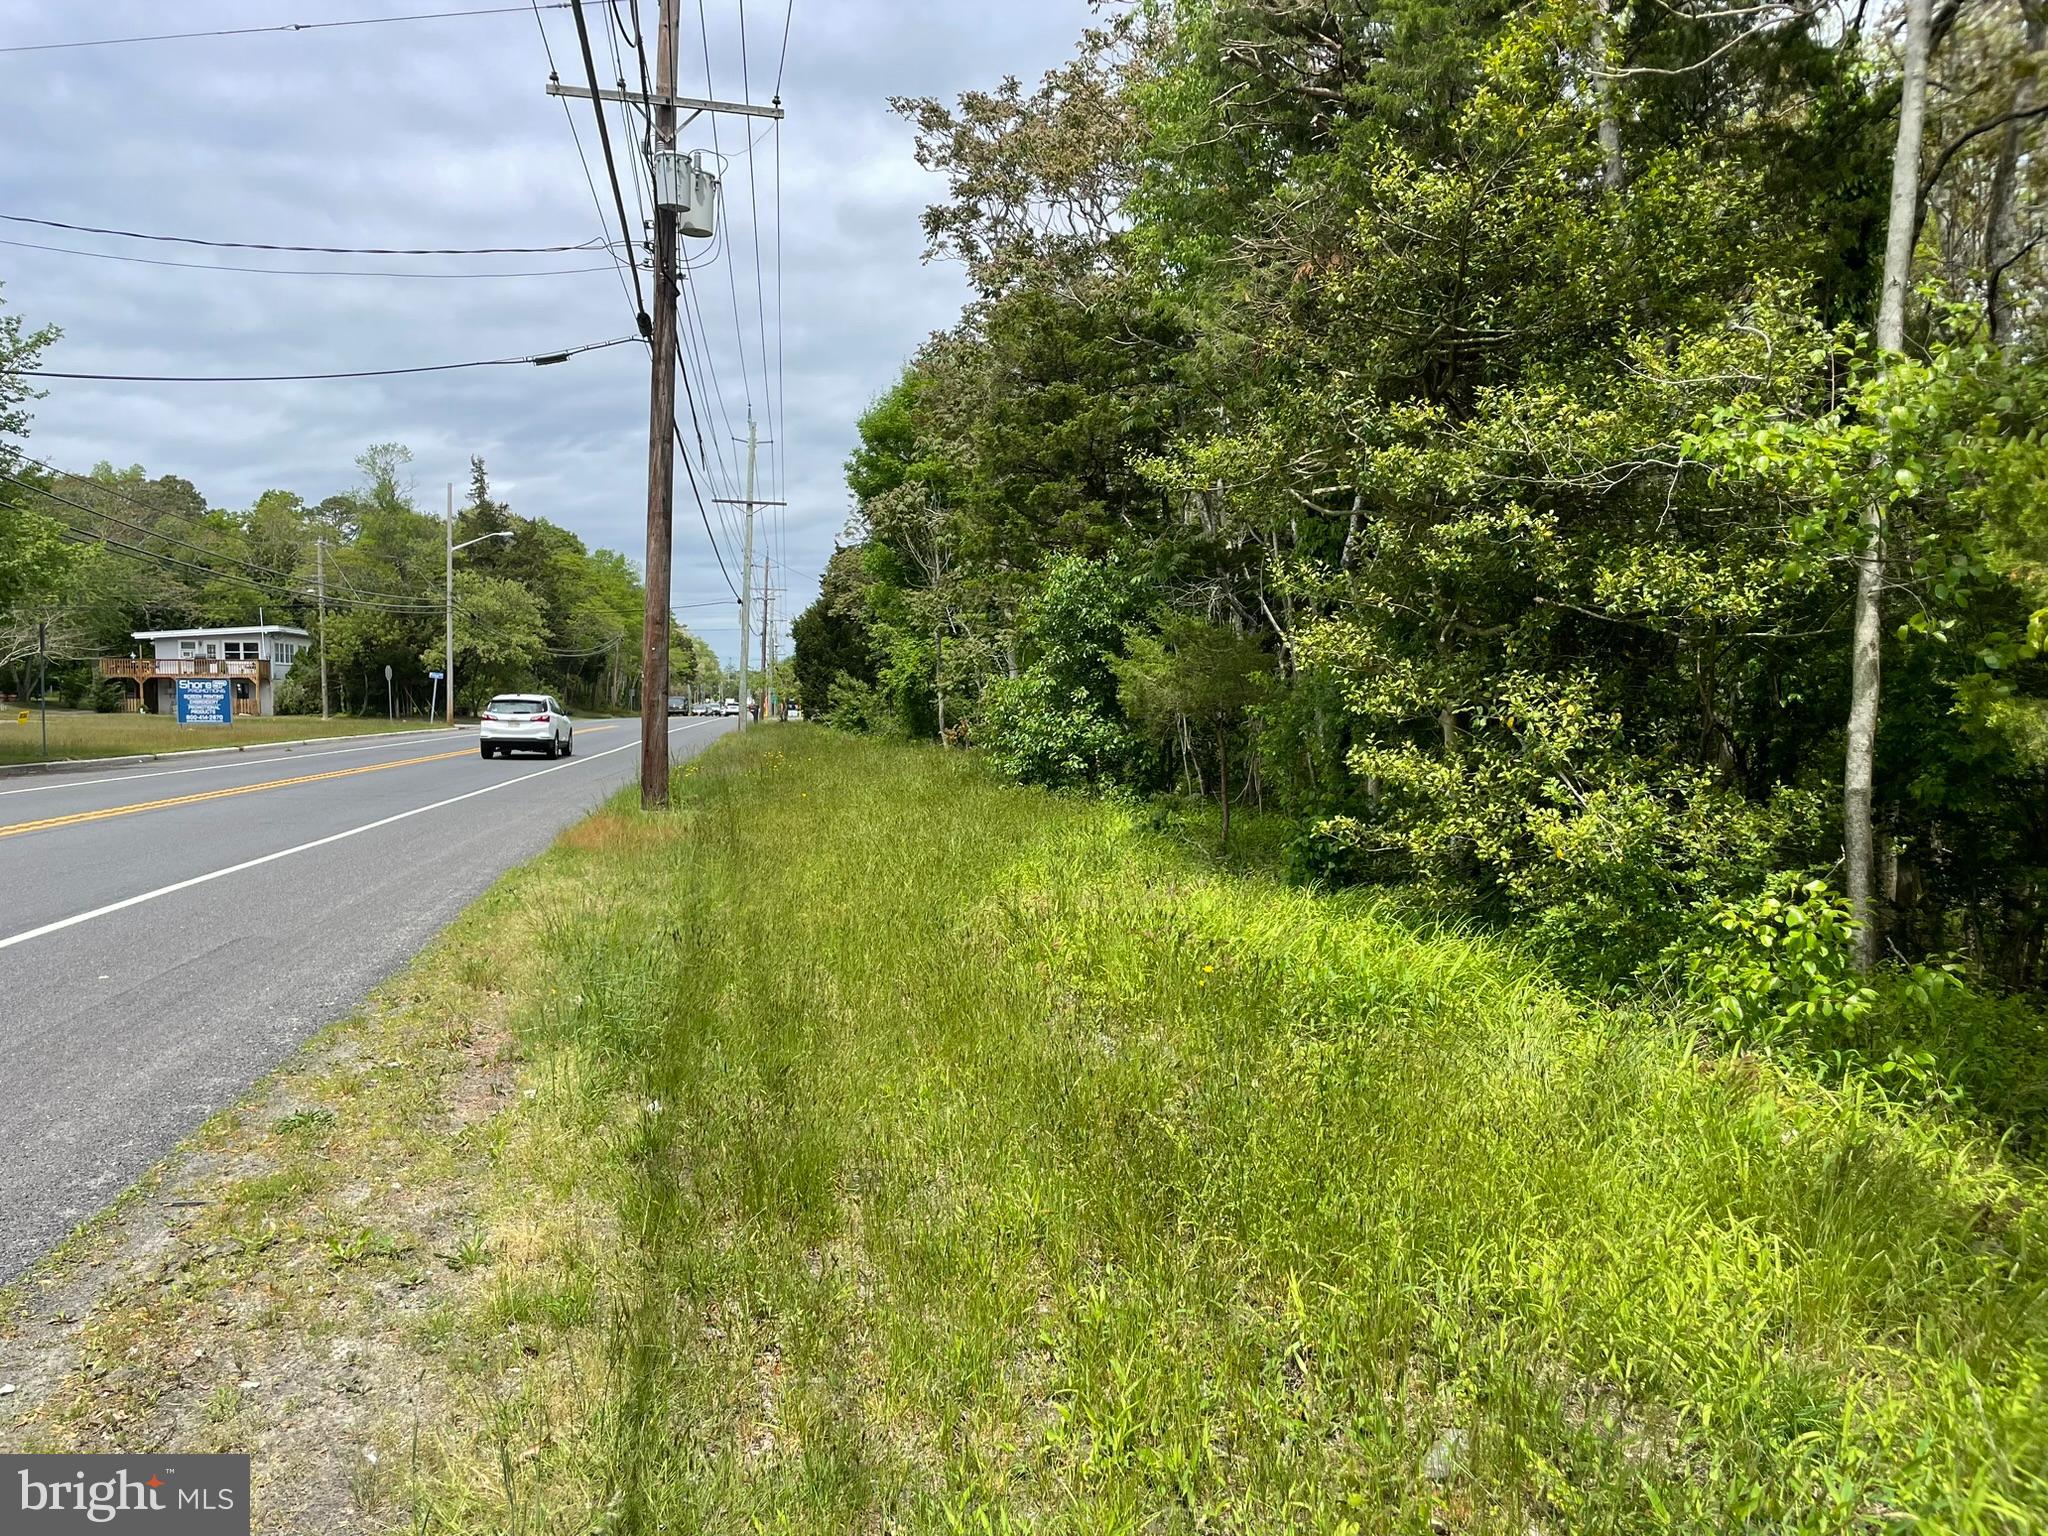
{"x":1860,"y":759}
{"x":1613,"y":168}
{"x":2002,"y":247}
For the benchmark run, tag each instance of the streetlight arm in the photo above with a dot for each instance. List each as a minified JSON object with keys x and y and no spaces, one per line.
{"x":448,"y":663}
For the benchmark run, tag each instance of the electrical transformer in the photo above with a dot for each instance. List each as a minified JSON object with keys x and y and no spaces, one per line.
{"x":683,"y":186}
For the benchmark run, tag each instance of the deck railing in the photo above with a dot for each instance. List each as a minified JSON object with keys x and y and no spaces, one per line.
{"x":181,"y":666}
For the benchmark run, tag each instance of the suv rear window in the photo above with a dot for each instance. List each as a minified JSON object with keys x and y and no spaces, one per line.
{"x":518,"y":706}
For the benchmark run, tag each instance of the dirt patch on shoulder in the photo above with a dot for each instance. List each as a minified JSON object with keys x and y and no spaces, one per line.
{"x":288,"y":1283}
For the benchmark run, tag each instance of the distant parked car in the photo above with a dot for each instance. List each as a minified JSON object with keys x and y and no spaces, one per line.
{"x":531,"y":722}
{"x":794,"y":713}
{"x":706,"y":707}
{"x":678,"y":705}
{"x":732,"y":708}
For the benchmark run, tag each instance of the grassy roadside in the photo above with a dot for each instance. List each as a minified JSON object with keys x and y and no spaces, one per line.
{"x":79,"y":733}
{"x":866,"y":1145}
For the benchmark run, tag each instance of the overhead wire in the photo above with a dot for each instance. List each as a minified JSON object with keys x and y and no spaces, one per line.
{"x":538,"y":359}
{"x":732,"y":282}
{"x":774,"y":543}
{"x":754,"y":229}
{"x":611,"y":168}
{"x":274,"y":572}
{"x":781,"y":411}
{"x":287,"y":26}
{"x":634,"y":41}
{"x":589,"y":180}
{"x":643,"y":162}
{"x":788,"y":10}
{"x":160,"y":558}
{"x":772,"y":396}
{"x":701,"y":513}
{"x":327,"y":250}
{"x":209,"y":266}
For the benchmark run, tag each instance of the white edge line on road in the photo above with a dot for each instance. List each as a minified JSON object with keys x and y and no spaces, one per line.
{"x":410,"y":738}
{"x":318,"y":842}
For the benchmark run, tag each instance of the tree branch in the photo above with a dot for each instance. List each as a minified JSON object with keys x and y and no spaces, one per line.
{"x":1950,"y":150}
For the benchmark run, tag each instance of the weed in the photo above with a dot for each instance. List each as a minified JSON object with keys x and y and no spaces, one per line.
{"x":472,"y":1252}
{"x":963,"y":1158}
{"x":224,"y":1403}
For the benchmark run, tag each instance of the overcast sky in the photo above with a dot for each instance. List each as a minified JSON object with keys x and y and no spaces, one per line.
{"x":439,"y":133}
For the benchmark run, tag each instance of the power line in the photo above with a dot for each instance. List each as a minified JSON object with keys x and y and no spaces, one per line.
{"x":754,"y":225}
{"x":329,"y":250}
{"x":155,"y":557}
{"x":732,"y":282}
{"x":100,"y":485}
{"x":274,"y":572}
{"x":611,"y":169}
{"x":788,"y":10}
{"x":781,"y":409}
{"x":702,"y":514}
{"x":537,"y":359}
{"x":771,"y":392}
{"x":147,"y":532}
{"x":614,"y":28}
{"x":702,"y":343}
{"x":590,"y":181}
{"x":289,"y":26}
{"x":207,"y":266}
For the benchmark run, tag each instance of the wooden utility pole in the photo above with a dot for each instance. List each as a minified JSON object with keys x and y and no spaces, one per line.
{"x":662,"y":105}
{"x":775,"y":671}
{"x":661,"y":451}
{"x":748,"y":502}
{"x":320,"y":589}
{"x":448,"y":606}
{"x":747,"y":575}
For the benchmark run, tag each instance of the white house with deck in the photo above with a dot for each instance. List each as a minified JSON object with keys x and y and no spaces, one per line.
{"x":255,"y":656}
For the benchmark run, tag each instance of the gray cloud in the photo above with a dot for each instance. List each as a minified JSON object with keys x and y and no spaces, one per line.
{"x":439,"y":133}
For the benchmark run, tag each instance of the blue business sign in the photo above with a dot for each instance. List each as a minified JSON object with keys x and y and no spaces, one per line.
{"x":206,"y":701}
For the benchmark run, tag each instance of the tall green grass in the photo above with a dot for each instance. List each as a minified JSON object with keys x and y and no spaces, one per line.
{"x":957,"y":1158}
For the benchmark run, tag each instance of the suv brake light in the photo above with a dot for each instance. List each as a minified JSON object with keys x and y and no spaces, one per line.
{"x":540,"y":719}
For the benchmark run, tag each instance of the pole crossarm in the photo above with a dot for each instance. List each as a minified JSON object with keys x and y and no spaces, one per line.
{"x":691,"y":104}
{"x":746,"y":501}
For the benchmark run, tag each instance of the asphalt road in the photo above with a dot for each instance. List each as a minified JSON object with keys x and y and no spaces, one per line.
{"x":171,"y":932}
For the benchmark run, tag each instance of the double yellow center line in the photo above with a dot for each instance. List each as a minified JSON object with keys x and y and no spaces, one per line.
{"x":81,"y":817}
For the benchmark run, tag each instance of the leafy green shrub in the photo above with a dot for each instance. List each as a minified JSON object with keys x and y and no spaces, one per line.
{"x":1774,"y":972}
{"x":856,"y":705}
{"x":1541,"y":814}
{"x":85,"y":689}
{"x":1038,"y":733}
{"x":298,"y":692}
{"x":1776,"y":963}
{"x":1983,"y":1053}
{"x":1058,"y":722}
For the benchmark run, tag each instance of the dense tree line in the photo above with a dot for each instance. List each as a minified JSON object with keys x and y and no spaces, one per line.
{"x":1460,"y":428}
{"x":87,"y":560}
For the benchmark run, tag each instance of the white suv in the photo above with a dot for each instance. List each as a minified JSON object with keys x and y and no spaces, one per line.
{"x":534,"y":721}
